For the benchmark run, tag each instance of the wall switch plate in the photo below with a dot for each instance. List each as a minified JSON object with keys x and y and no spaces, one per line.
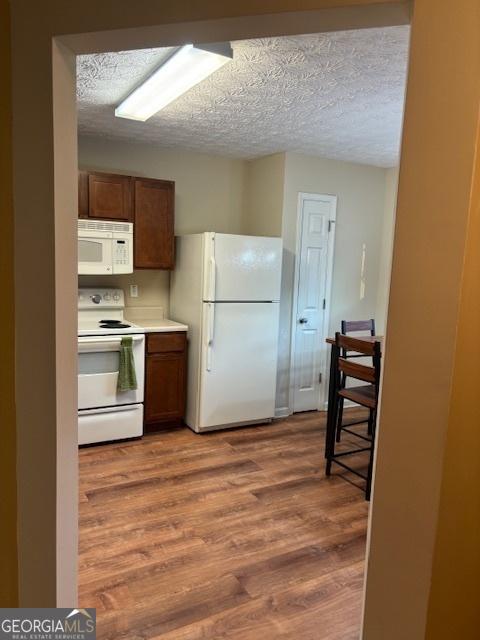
{"x":134,"y":290}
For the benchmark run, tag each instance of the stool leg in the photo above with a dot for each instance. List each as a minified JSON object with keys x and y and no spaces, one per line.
{"x":331,"y":414}
{"x":371,"y":423}
{"x":330,"y":448}
{"x":368,"y":489}
{"x":339,"y":418}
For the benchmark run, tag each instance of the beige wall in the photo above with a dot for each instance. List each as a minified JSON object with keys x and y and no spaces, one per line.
{"x":386,"y":249}
{"x":443,"y":98}
{"x":264,"y":195}
{"x":454,"y":610}
{"x":360,"y":213}
{"x":260,"y":197}
{"x":436,"y":169}
{"x":209,"y":196}
{"x":65,"y":544}
{"x":209,"y":189}
{"x":153,"y":288}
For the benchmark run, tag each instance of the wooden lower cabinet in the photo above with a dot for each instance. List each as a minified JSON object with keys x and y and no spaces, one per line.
{"x":165,"y":379}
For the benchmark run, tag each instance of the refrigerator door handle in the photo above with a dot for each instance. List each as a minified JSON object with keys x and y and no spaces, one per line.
{"x":212,"y":277}
{"x":210,"y":335}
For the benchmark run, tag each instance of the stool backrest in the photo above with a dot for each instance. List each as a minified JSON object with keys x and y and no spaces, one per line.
{"x":352,"y":326}
{"x":350,"y":369}
{"x":347,"y":343}
{"x":358,"y":371}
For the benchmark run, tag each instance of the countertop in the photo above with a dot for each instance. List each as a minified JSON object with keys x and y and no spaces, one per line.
{"x":158,"y":325}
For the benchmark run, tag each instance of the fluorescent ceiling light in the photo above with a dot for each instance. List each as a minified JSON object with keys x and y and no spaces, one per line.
{"x":182,"y":71}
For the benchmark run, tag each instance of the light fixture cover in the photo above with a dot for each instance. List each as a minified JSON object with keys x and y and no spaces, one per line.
{"x":187,"y":67}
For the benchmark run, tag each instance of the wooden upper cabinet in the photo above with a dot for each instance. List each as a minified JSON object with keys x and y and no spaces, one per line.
{"x":105,"y":196}
{"x":154,"y":224}
{"x":148,"y":203}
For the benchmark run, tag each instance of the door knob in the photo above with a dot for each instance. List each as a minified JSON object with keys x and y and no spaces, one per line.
{"x":303,"y":321}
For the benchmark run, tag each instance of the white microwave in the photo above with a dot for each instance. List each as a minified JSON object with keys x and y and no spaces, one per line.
{"x":105,"y":248}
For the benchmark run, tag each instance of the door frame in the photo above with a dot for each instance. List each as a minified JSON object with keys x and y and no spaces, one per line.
{"x":445,"y":41}
{"x":302,"y":197}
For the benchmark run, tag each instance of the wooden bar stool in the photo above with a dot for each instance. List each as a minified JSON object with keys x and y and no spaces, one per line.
{"x":352,"y":326}
{"x":365,"y":395}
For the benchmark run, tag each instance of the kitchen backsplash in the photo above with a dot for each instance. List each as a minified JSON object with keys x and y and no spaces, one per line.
{"x":153,"y":287}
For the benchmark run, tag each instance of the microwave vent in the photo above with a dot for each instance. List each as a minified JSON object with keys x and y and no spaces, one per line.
{"x":99,"y":225}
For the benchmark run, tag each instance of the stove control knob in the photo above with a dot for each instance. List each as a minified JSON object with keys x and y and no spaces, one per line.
{"x":107,"y":296}
{"x":96,"y":299}
{"x":116,"y":297}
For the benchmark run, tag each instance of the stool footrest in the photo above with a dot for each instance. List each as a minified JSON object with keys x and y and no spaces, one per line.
{"x":350,"y":453}
{"x":357,"y":435}
{"x":352,"y":424}
{"x":345,"y":466}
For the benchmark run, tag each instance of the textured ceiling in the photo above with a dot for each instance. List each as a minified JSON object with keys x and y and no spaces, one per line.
{"x":337,"y":95}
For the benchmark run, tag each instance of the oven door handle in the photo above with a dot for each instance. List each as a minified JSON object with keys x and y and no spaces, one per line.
{"x":115,"y":409}
{"x":100,"y":339}
{"x":106,"y":343}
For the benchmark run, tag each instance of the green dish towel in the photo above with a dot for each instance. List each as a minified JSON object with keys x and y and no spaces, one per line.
{"x":127,"y":378}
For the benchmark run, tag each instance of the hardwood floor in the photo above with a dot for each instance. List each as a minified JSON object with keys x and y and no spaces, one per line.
{"x":235,"y":535}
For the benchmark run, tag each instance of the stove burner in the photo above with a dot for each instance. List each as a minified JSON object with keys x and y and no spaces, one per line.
{"x":114,"y":325}
{"x":110,"y":321}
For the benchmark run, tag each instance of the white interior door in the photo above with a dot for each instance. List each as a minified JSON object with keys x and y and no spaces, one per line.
{"x":239,"y":368}
{"x":316,"y":217}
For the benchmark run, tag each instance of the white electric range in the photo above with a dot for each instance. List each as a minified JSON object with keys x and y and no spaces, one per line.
{"x":104,"y":413}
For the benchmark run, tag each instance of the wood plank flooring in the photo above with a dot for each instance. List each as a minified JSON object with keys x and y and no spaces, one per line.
{"x":232,"y":535}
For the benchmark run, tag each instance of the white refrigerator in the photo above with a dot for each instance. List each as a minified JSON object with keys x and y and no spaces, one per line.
{"x":226,"y":288}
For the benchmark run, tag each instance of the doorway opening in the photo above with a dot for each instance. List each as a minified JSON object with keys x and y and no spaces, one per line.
{"x":177,"y":518}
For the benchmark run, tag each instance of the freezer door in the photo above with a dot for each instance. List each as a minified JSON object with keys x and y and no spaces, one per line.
{"x":242,"y":268}
{"x":239,"y":363}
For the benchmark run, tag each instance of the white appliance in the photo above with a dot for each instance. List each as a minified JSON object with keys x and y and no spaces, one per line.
{"x":104,"y":413}
{"x":227,"y":289}
{"x":105,"y":247}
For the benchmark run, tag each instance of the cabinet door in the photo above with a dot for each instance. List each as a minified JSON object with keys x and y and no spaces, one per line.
{"x":110,"y":197}
{"x":154,"y":221}
{"x":165,"y":387}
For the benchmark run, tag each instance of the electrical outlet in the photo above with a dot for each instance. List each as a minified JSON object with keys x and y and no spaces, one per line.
{"x":134,"y":290}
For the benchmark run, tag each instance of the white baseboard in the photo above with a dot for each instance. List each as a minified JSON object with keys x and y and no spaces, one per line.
{"x":347,"y":404}
{"x":282,"y":412}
